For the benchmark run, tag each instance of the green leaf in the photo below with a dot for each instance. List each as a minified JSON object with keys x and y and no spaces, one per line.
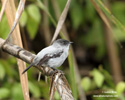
{"x":108,"y":78}
{"x":33,"y":20}
{"x":98,"y":77}
{"x":118,"y":34}
{"x":34,"y":12}
{"x":4,"y":28}
{"x":110,"y":15}
{"x":34,"y":90}
{"x":86,"y":83}
{"x":2,"y":71}
{"x":32,"y":27}
{"x":23,"y":19}
{"x":17,"y":92}
{"x":4,"y":93}
{"x":120,"y":88}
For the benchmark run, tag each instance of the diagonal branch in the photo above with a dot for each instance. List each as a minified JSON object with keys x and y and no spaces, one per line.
{"x":17,"y":17}
{"x":61,"y":84}
{"x":61,"y":20}
{"x":76,"y":70}
{"x":16,"y":37}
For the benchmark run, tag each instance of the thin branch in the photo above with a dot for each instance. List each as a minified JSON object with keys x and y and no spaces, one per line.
{"x":61,"y":84}
{"x":57,"y":15}
{"x":76,"y":71}
{"x":16,"y":37}
{"x":17,"y":17}
{"x":61,"y":20}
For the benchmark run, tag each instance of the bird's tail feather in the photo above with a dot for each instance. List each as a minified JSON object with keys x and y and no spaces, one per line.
{"x":27,"y":68}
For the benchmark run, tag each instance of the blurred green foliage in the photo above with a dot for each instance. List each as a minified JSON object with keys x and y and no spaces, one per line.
{"x":4,"y":28}
{"x":89,"y":31}
{"x":4,"y":93}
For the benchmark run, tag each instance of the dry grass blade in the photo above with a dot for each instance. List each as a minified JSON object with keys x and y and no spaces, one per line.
{"x":52,"y":88}
{"x":57,"y":15}
{"x":101,"y":14}
{"x":76,"y":71}
{"x":10,"y":13}
{"x":63,"y":88}
{"x":60,"y":83}
{"x":110,"y":15}
{"x":61,"y":20}
{"x":3,"y":8}
{"x":114,"y":60}
{"x":18,"y":14}
{"x":104,"y":18}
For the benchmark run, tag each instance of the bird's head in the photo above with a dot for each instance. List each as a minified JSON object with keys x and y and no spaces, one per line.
{"x":61,"y":43}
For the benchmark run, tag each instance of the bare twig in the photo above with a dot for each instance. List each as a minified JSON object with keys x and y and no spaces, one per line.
{"x":57,"y":15}
{"x":3,"y":8}
{"x":64,"y":30}
{"x":10,"y":13}
{"x":61,"y":84}
{"x":61,"y":20}
{"x":65,"y":91}
{"x":18,"y":14}
{"x":59,"y":26}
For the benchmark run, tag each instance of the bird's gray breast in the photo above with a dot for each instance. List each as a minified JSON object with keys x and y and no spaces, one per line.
{"x":57,"y":59}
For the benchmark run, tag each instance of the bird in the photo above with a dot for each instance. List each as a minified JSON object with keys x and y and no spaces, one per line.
{"x":52,"y":56}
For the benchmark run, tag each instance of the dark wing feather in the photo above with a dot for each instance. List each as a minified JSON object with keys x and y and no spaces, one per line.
{"x":47,"y":57}
{"x":43,"y":60}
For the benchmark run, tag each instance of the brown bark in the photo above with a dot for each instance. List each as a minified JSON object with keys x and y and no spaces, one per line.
{"x":59,"y":80}
{"x":16,"y":37}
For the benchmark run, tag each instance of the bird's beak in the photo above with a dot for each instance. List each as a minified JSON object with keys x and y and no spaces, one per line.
{"x":71,"y":42}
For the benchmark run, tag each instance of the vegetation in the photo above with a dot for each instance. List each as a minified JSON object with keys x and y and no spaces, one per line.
{"x":98,"y":47}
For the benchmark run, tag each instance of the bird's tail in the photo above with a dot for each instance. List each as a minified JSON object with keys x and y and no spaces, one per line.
{"x":27,"y":68}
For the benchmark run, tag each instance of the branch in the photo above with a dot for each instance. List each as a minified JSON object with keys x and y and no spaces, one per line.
{"x":13,"y":18}
{"x":59,"y":80}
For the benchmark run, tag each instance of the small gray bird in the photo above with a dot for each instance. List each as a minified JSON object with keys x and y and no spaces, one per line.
{"x":52,"y":56}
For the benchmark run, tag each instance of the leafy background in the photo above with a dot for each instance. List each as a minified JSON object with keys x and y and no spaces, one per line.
{"x":87,"y":30}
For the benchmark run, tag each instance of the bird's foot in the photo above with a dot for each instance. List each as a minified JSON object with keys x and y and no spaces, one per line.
{"x":57,"y":70}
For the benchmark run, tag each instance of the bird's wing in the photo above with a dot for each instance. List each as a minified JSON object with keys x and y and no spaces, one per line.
{"x":44,"y":55}
{"x":44,"y":59}
{"x":49,"y":56}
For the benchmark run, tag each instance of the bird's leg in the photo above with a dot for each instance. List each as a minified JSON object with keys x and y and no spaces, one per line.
{"x":57,"y":70}
{"x":39,"y":76}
